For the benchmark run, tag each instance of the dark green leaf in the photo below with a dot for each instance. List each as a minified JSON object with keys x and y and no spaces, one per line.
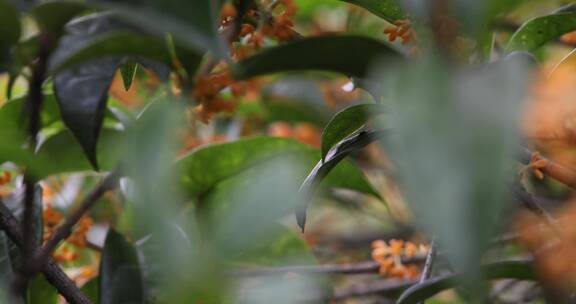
{"x":128,"y":72}
{"x":388,"y":10}
{"x":9,"y":23}
{"x":91,"y":290}
{"x":41,"y":292}
{"x":193,"y":24}
{"x":82,"y":94}
{"x":514,"y":269}
{"x":52,"y":16}
{"x":536,"y":32}
{"x":347,"y":122}
{"x":318,"y":53}
{"x":120,"y":274}
{"x":118,"y":43}
{"x":9,"y":32}
{"x":323,"y":168}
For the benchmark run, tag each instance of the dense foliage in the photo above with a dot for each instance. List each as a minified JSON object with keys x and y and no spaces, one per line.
{"x":287,"y":151}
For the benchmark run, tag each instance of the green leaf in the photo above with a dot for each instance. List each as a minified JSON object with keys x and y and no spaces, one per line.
{"x":347,"y":122}
{"x":117,"y":43}
{"x":41,"y":292}
{"x":61,"y":153}
{"x":192,"y":24}
{"x":10,"y":30}
{"x":349,"y":55}
{"x":204,"y":168}
{"x":285,"y":246}
{"x":92,"y":290}
{"x":52,"y":16}
{"x":9,"y":23}
{"x":120,"y":274}
{"x":82,"y":94}
{"x":388,"y":10}
{"x":326,"y":169}
{"x":128,"y":72}
{"x":513,"y":269}
{"x":536,"y":32}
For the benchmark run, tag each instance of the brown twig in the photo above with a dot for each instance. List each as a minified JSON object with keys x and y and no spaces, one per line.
{"x":389,"y":287}
{"x":357,"y":268}
{"x":64,"y":230}
{"x":55,"y":276}
{"x":33,"y":107}
{"x":557,"y":171}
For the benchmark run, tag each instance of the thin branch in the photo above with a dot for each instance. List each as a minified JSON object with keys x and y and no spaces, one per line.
{"x":32,"y":110}
{"x":357,"y":268}
{"x":429,"y":264}
{"x":533,"y":204}
{"x":108,"y":183}
{"x":559,"y":172}
{"x":55,"y":276}
{"x":389,"y":287}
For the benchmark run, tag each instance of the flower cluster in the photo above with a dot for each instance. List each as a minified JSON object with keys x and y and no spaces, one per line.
{"x":389,"y":256}
{"x":5,"y":179}
{"x":401,"y":29}
{"x":65,"y":253}
{"x":207,"y":91}
{"x":537,"y":163}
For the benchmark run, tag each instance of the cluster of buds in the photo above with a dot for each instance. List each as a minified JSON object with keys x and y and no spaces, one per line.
{"x":52,"y":218}
{"x":389,"y":256}
{"x":537,"y":163}
{"x":207,"y":91}
{"x":401,"y":29}
{"x":5,"y":179}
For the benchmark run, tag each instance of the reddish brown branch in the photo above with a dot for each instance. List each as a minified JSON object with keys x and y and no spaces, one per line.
{"x":65,"y":286}
{"x":108,"y":183}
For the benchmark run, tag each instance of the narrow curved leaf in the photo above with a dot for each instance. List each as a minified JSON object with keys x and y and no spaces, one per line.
{"x":538,"y":31}
{"x":120,"y":274}
{"x":323,"y":167}
{"x":318,"y":53}
{"x":347,"y":122}
{"x":514,"y":269}
{"x":388,"y":10}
